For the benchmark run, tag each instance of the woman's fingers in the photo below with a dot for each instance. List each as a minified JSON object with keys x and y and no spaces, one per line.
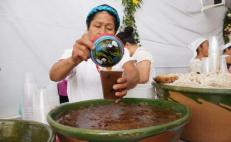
{"x":121,"y":93}
{"x":79,"y":53}
{"x":81,"y":49}
{"x":122,"y":83}
{"x":121,"y":87}
{"x":85,"y":41}
{"x":122,"y":80}
{"x":84,"y":52}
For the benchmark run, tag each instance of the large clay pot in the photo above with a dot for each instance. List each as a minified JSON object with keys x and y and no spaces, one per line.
{"x":24,"y":131}
{"x":211,"y":111}
{"x":169,"y":132}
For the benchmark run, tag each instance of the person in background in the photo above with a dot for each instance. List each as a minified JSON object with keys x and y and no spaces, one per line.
{"x":144,"y":63}
{"x":199,"y":48}
{"x":62,"y":91}
{"x":227,"y":54}
{"x":83,"y":77}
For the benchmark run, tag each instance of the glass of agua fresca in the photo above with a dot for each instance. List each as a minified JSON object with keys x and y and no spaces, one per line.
{"x":108,"y":51}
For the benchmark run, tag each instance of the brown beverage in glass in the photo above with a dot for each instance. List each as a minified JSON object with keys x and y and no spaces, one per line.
{"x":108,"y":79}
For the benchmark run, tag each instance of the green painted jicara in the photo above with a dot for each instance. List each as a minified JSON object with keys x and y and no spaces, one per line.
{"x":220,"y":97}
{"x":122,"y":135}
{"x":108,"y":51}
{"x":24,"y":131}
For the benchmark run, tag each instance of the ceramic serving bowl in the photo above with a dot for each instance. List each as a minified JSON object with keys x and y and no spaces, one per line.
{"x":211,"y":111}
{"x":168,"y":132}
{"x":24,"y":131}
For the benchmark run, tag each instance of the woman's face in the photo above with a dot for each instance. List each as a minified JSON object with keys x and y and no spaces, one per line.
{"x":228,"y":51}
{"x":102,"y":23}
{"x":205,"y":48}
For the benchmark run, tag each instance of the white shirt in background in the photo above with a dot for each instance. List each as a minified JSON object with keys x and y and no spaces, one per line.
{"x":196,"y":65}
{"x":224,"y":56}
{"x":142,"y":90}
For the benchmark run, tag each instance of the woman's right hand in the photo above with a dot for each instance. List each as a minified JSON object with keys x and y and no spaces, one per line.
{"x":81,"y":49}
{"x":80,"y":52}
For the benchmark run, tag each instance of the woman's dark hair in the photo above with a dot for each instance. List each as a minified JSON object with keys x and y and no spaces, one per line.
{"x":110,"y":10}
{"x":200,"y":46}
{"x":228,"y":48}
{"x":127,"y":36}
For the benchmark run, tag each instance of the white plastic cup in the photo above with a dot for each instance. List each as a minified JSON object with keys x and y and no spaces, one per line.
{"x":40,"y":106}
{"x":214,"y":54}
{"x":52,"y":95}
{"x":205,"y":65}
{"x":223,"y":68}
{"x":30,"y":90}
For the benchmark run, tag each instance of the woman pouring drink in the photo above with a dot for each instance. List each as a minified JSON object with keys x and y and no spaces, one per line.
{"x":83,"y":77}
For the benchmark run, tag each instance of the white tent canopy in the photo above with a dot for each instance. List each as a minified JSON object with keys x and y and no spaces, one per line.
{"x":34,"y":33}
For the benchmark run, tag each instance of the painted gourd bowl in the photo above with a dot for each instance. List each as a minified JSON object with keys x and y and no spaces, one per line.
{"x":108,"y":51}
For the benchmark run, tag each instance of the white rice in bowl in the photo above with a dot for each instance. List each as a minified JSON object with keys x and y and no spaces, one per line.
{"x":211,"y":80}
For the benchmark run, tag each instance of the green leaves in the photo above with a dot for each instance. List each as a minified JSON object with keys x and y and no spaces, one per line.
{"x":227,"y":26}
{"x":130,"y":8}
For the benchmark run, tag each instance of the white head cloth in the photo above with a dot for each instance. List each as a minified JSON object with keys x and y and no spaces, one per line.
{"x":195,"y":44}
{"x":226,"y":46}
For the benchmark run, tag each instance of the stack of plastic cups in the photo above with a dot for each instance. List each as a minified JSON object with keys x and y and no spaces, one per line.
{"x":30,"y":90}
{"x":52,"y":95}
{"x":205,"y":65}
{"x":214,"y":55}
{"x":223,"y":67}
{"x":40,"y":106}
{"x":44,"y":101}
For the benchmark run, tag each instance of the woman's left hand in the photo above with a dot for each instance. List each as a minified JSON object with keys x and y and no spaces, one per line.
{"x":121,"y":87}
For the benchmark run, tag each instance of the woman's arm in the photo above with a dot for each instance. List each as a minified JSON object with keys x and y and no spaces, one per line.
{"x":61,"y":69}
{"x":144,"y":70}
{"x":80,"y":52}
{"x":131,"y":73}
{"x":129,"y":79}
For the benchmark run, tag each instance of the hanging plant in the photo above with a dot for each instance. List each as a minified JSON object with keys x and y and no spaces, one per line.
{"x":130,"y":7}
{"x":227,"y":27}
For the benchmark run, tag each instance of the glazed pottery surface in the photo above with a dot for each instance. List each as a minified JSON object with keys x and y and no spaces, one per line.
{"x":108,"y":51}
{"x":24,"y":131}
{"x":72,"y":134}
{"x":211,"y":111}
